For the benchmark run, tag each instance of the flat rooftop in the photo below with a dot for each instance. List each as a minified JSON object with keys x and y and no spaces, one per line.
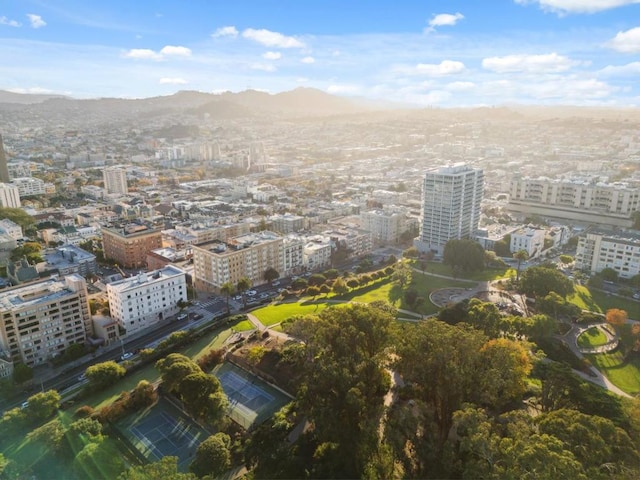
{"x":35,"y":293}
{"x":146,"y":278}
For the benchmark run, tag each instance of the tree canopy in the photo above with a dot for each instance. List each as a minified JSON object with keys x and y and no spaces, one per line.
{"x":465,"y":254}
{"x":539,"y":281}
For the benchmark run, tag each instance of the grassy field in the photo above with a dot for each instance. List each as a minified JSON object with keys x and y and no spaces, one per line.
{"x":592,"y":338}
{"x":598,"y":301}
{"x":625,"y":375}
{"x":484,"y":276}
{"x":278,"y":312}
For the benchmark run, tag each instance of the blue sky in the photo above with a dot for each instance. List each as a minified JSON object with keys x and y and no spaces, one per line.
{"x":439,"y":53}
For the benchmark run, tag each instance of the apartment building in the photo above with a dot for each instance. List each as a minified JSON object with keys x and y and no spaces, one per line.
{"x":287,"y":223}
{"x":29,"y":186}
{"x":598,"y":250}
{"x":9,"y":196}
{"x":317,"y":253}
{"x":292,"y":255}
{"x":586,"y":200}
{"x":529,"y":239}
{"x":129,"y":244}
{"x":115,"y":180}
{"x":40,"y":320}
{"x":69,"y":259}
{"x":139,"y":302}
{"x":11,"y":228}
{"x":451,"y":198}
{"x":386,"y":227}
{"x":217,"y":263}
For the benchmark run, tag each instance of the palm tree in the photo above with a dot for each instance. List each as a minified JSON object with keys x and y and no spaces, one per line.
{"x":244,"y":284}
{"x":227,"y":289}
{"x":520,"y":256}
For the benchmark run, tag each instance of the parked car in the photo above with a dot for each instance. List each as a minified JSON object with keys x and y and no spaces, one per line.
{"x":126,"y":356}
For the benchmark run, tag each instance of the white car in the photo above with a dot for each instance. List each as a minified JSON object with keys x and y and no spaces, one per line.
{"x":126,"y":356}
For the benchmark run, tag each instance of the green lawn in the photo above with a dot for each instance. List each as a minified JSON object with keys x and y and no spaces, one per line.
{"x":625,"y":376}
{"x":483,"y":276}
{"x":600,"y":302}
{"x":594,"y":337}
{"x":278,"y":312}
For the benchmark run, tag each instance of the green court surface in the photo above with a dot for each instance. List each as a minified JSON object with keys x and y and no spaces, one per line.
{"x":163,"y":431}
{"x":251,"y":400}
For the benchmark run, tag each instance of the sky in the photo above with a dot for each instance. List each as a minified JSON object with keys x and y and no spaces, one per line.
{"x":448,"y":53}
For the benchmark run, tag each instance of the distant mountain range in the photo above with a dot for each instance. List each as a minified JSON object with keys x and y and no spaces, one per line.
{"x":249,"y":103}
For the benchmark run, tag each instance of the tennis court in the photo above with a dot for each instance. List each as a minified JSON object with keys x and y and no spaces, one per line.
{"x":251,"y":400}
{"x":165,"y":431}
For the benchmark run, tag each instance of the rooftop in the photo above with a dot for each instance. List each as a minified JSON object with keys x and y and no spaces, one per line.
{"x":35,"y":293}
{"x":146,"y":278}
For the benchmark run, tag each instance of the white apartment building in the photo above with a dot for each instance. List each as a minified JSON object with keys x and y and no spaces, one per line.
{"x":598,"y":250}
{"x":292,"y":255}
{"x":385,"y":227}
{"x":9,"y":196}
{"x":528,"y":239}
{"x":575,"y":199}
{"x":317,"y":253}
{"x":115,"y":180}
{"x":10,"y":228}
{"x":217,"y":263}
{"x":451,"y":199}
{"x":140,"y":302}
{"x":38,"y":321}
{"x":28,"y":186}
{"x":287,"y":223}
{"x":93,"y":191}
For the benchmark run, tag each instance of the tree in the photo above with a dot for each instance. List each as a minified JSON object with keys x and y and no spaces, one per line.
{"x":18,"y":216}
{"x":466,"y":254}
{"x":411,"y":252}
{"x":173,"y":368}
{"x":484,"y":316}
{"x":271,"y":274}
{"x":332,"y":273}
{"x":316,"y":280}
{"x":402,"y":274}
{"x":520,"y":256}
{"x":243,"y":285}
{"x":539,"y":281}
{"x":203,"y":396}
{"x":22,"y":373}
{"x":103,"y":374}
{"x":313,"y":291}
{"x":566,"y":259}
{"x":616,"y":317}
{"x":503,"y":369}
{"x":325,"y":290}
{"x":30,"y":251}
{"x":212,"y":456}
{"x":299,"y":284}
{"x":227,"y":290}
{"x":42,"y":405}
{"x":166,"y":469}
{"x":339,"y":287}
{"x":353,"y":283}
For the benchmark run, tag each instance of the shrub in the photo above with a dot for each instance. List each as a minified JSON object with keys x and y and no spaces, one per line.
{"x":211,"y":359}
{"x":84,"y":411}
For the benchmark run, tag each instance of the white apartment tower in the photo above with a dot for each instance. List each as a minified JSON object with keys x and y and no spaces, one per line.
{"x":598,"y":250}
{"x":451,"y":199}
{"x":9,"y":196}
{"x":139,"y":302}
{"x":39,"y":321}
{"x":115,"y":180}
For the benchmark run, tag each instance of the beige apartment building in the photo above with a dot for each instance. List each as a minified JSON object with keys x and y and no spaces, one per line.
{"x":40,"y":320}
{"x":216,"y":263}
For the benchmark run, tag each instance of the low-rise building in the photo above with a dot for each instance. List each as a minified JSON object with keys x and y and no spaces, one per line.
{"x":139,"y":302}
{"x":39,"y":321}
{"x":598,"y":250}
{"x":69,"y":259}
{"x":317,"y":253}
{"x":386,"y":227}
{"x":529,"y":239}
{"x":10,"y":228}
{"x":29,"y":186}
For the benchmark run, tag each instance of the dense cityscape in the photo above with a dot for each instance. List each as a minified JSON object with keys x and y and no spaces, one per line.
{"x":365,"y":270}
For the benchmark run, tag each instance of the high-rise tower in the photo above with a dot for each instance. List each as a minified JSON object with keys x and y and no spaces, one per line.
{"x":4,"y":171}
{"x":451,"y":199}
{"x":115,"y":180}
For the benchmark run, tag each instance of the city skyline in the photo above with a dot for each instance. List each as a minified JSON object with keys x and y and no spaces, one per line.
{"x":445,"y":54}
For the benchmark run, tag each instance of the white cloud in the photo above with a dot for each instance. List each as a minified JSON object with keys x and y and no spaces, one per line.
{"x":272,"y":55}
{"x":564,"y":7}
{"x":172,"y":81}
{"x":143,"y":54}
{"x":308,"y":60}
{"x":632,"y":68}
{"x":446,"y":67}
{"x":626,"y":42}
{"x":547,"y":63}
{"x":460,"y":86}
{"x":10,"y":23}
{"x":228,"y":31}
{"x":443,"y":19}
{"x":342,"y":89}
{"x":33,"y":90}
{"x":36,"y":20}
{"x":272,"y":39}
{"x":265,"y":67}
{"x":167,"y":51}
{"x":176,"y":50}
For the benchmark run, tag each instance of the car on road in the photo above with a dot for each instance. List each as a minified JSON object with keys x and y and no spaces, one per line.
{"x":82,"y":377}
{"x":126,"y":356}
{"x":276,"y":283}
{"x":264,"y":295}
{"x":182,"y":316}
{"x":252,"y":292}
